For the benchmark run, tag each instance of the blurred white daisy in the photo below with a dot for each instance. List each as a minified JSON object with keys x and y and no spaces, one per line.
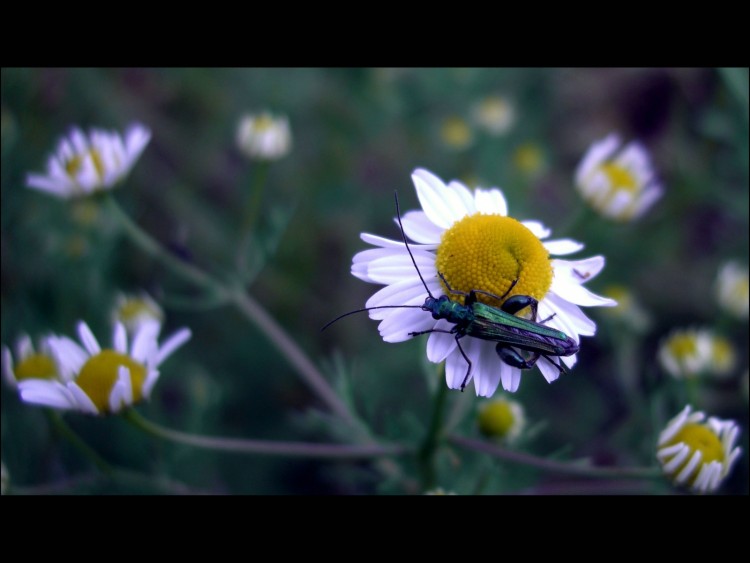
{"x":468,"y":238}
{"x":733,"y":289}
{"x":501,"y":419}
{"x":102,"y":381}
{"x":84,"y":164}
{"x":629,"y":310}
{"x":618,"y":182}
{"x":689,"y":352}
{"x":30,"y":362}
{"x":696,"y":452}
{"x":264,"y":137}
{"x":495,"y":114}
{"x":134,"y":310}
{"x":456,"y":133}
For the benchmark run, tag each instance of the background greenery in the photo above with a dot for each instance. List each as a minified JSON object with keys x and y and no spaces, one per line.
{"x":357,"y":136}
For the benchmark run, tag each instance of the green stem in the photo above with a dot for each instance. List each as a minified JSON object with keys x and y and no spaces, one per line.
{"x":151,"y":247}
{"x":250,"y":216}
{"x":433,"y":438}
{"x":556,"y":466}
{"x":246,"y":304}
{"x":67,"y":432}
{"x":293,"y":353}
{"x":264,"y":447}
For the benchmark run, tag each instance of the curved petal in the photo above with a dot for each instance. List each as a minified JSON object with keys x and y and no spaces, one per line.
{"x":382,"y":242}
{"x":487,"y":366}
{"x":440,"y":344}
{"x":599,"y":151}
{"x":83,"y":402}
{"x":407,"y":292}
{"x":575,"y":293}
{"x":398,"y":328}
{"x":579,"y":271}
{"x":46,"y":393}
{"x":399,"y":267}
{"x":419,"y":228}
{"x":173,"y":343}
{"x":537,"y":228}
{"x":562,"y":246}
{"x":467,"y":198}
{"x":144,"y":344}
{"x":120,"y":338}
{"x":550,"y":372}
{"x":434,"y":197}
{"x":490,"y":201}
{"x":88,"y":339}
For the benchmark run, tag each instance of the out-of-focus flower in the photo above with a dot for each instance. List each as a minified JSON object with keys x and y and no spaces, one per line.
{"x":263,"y":136}
{"x":439,"y":492}
{"x":529,"y":159}
{"x":618,"y":182}
{"x":84,"y":164}
{"x":134,"y":310}
{"x":501,"y":419}
{"x":732,"y":289}
{"x":697,"y":453}
{"x":495,"y":114}
{"x":688,"y":352}
{"x":628,"y":309}
{"x":29,"y":363}
{"x":468,"y":237}
{"x":456,"y":133}
{"x":101,"y":381}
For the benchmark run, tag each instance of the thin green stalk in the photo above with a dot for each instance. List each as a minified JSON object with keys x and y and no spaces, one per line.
{"x":150,"y":246}
{"x":433,"y":438}
{"x":264,"y":447}
{"x":250,"y":216}
{"x":555,"y":466}
{"x":293,"y":353}
{"x":88,"y":452}
{"x":246,"y":304}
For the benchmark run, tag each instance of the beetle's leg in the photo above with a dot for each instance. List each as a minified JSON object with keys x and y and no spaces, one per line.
{"x":468,"y":361}
{"x":514,"y":359}
{"x":514,"y":304}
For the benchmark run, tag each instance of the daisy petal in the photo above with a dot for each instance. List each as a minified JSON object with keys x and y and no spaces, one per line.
{"x":420,"y":229}
{"x":88,"y":339}
{"x":537,"y":228}
{"x":46,"y":393}
{"x":562,"y":246}
{"x":491,"y":201}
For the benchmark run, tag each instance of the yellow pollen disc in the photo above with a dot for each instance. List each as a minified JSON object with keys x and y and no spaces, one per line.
{"x":99,"y":374}
{"x":683,"y":346}
{"x":620,"y":178}
{"x":263,"y":123}
{"x":496,"y":419}
{"x":699,"y":437}
{"x":36,"y":366}
{"x":490,"y":252}
{"x":73,"y":166}
{"x":133,"y":308}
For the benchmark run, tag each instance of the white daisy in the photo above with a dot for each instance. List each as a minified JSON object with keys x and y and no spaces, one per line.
{"x":733,"y":289}
{"x":133,"y":310}
{"x":30,"y":363}
{"x":698,"y":453}
{"x":102,"y":381}
{"x":690,"y":352}
{"x":470,"y":240}
{"x":618,"y":182}
{"x":264,"y":136}
{"x":501,"y":419}
{"x":495,"y":114}
{"x":85,"y":164}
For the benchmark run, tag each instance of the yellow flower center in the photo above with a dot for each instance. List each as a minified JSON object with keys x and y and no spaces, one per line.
{"x":496,"y":419}
{"x":263,"y":123}
{"x":490,"y":252}
{"x":36,"y":366}
{"x":528,"y":158}
{"x":132,"y":309}
{"x":456,"y":133}
{"x":620,"y":178}
{"x":698,"y":437}
{"x":722,"y":354}
{"x":683,"y":346}
{"x":99,"y":374}
{"x":73,"y":166}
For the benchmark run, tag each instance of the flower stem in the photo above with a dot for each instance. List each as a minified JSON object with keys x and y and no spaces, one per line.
{"x":67,"y":432}
{"x":250,"y":308}
{"x":150,"y":246}
{"x":307,"y":370}
{"x":433,"y":438}
{"x":264,"y":447}
{"x":555,"y":466}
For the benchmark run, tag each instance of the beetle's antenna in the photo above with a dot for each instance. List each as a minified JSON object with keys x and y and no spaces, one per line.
{"x":370,"y":309}
{"x":403,"y":235}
